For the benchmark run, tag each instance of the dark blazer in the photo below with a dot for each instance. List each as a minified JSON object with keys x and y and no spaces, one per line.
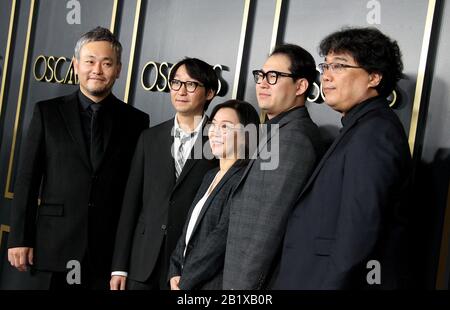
{"x":80,"y":206}
{"x":264,"y":198}
{"x":156,"y":203}
{"x":350,"y":211}
{"x":202,"y":266}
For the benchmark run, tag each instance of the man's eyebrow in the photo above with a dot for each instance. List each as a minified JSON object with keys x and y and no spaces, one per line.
{"x":104,"y":58}
{"x":339,"y":58}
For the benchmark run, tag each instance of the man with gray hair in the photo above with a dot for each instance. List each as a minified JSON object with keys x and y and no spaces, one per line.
{"x":76,"y":159}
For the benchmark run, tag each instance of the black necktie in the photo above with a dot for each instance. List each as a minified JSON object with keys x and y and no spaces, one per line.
{"x":96,"y":145}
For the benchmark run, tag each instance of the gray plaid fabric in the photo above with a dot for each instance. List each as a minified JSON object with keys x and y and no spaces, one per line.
{"x":179,"y":159}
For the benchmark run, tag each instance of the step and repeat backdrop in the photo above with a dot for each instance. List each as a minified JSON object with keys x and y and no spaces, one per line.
{"x":37,"y":39}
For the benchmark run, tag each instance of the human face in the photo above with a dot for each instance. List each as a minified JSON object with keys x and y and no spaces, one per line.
{"x":345,"y":89}
{"x":285,"y":94}
{"x":225,"y":135}
{"x":186,"y":103}
{"x":97,"y":69}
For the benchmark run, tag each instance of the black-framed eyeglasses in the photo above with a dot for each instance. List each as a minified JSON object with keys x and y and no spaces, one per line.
{"x":191,"y":86}
{"x":335,"y":67}
{"x":271,"y":76}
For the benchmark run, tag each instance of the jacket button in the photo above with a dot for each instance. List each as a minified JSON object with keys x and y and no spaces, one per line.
{"x":163,"y":227}
{"x":91,"y":204}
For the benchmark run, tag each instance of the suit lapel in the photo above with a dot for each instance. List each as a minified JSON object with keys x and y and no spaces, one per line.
{"x":265,"y":138}
{"x":204,"y":186}
{"x":163,"y":141}
{"x":196,"y":154}
{"x":336,"y":142}
{"x":110,"y":123}
{"x":70,"y":112}
{"x":213,"y":194}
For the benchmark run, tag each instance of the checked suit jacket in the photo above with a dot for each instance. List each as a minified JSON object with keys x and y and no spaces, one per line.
{"x":264,"y":198}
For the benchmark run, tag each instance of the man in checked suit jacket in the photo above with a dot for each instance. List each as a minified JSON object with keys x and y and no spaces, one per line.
{"x":81,"y":173}
{"x":347,"y":228}
{"x":163,"y":182}
{"x":265,"y":196}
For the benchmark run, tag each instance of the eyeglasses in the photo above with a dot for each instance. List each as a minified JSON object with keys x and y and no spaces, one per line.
{"x":271,"y":76}
{"x":191,"y":86}
{"x":335,"y":67}
{"x":223,"y":127}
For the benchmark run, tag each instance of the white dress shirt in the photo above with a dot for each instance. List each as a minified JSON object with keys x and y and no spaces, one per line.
{"x":196,"y":212}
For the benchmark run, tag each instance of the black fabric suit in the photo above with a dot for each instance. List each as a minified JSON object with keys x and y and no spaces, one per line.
{"x":202,"y":267}
{"x":80,"y":206}
{"x":351,"y":210}
{"x":156,"y":204}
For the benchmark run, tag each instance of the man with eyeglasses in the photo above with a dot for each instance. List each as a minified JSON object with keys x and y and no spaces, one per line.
{"x":167,"y":169}
{"x":347,"y":229}
{"x":266,"y":194}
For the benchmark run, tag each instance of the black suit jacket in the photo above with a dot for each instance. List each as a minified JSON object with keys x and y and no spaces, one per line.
{"x":79,"y":206}
{"x":202,"y":266}
{"x":350,"y":211}
{"x":156,"y":204}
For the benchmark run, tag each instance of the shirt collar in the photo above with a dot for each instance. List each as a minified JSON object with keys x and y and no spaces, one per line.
{"x":345,"y":120}
{"x":86,"y":101}
{"x":177,"y":127}
{"x":277,"y":119}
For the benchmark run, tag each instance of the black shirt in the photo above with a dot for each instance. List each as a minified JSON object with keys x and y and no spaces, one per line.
{"x":349,"y":115}
{"x":86,"y":114}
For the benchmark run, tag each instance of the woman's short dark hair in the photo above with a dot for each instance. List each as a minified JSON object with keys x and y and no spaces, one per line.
{"x":201,"y":71}
{"x":247,"y":115}
{"x":372,"y":50}
{"x":302,"y":62}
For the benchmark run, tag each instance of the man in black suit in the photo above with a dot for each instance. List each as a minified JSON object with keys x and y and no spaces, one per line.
{"x":168,"y":167}
{"x":76,"y":158}
{"x":347,"y":229}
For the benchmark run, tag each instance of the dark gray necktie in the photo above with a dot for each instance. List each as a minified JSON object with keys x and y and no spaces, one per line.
{"x":96,"y":145}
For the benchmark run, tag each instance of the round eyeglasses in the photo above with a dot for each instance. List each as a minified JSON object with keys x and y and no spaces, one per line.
{"x":223,"y":128}
{"x":191,"y":86}
{"x":335,"y":67}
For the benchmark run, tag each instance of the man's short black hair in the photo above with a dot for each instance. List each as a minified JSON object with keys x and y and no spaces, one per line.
{"x":372,"y":50}
{"x":201,"y":71}
{"x":302,"y":62}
